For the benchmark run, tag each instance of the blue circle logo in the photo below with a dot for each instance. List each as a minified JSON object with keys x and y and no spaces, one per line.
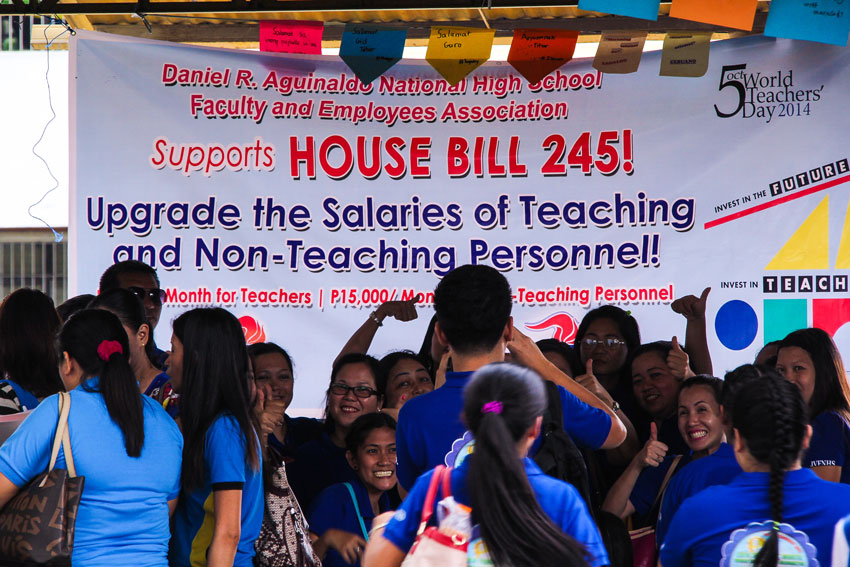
{"x":736,"y":324}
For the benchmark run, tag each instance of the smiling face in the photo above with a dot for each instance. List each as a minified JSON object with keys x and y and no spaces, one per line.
{"x":407,"y":378}
{"x":174,"y":363}
{"x":376,"y":460}
{"x":700,"y":419}
{"x":655,"y":387}
{"x":796,"y":365}
{"x":274,"y":370}
{"x":606,"y":360}
{"x":345,"y":408}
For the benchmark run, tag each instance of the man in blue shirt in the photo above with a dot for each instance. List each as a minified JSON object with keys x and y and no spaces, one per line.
{"x":473,"y":306}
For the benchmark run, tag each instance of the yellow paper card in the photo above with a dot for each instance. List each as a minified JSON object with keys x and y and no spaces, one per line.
{"x":738,"y":14}
{"x":685,"y":54}
{"x":455,"y":52}
{"x":619,"y":52}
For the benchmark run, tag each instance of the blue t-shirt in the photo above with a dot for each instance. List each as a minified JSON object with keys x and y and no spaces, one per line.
{"x":647,"y":486}
{"x":226,"y":467}
{"x":123,"y":514}
{"x":830,"y":444}
{"x":719,"y":467}
{"x":719,"y":514}
{"x":317,"y":465}
{"x":334,"y":508}
{"x":430,"y":431}
{"x":558,"y":499}
{"x":27,"y":399}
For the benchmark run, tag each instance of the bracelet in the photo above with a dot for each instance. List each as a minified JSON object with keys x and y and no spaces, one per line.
{"x":376,"y":528}
{"x":374,"y":317}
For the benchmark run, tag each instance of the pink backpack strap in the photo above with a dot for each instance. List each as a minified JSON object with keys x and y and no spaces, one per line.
{"x":430,"y":497}
{"x":447,"y":482}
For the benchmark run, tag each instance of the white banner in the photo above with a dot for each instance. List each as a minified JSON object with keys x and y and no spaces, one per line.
{"x":284,"y":189}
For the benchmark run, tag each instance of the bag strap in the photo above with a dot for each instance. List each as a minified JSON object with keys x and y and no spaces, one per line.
{"x":430,"y":497}
{"x":62,"y":436}
{"x":447,"y":482}
{"x":657,"y":504}
{"x":357,"y":510}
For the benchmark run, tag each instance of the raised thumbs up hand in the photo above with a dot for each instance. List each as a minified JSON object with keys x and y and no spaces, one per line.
{"x":589,"y":381}
{"x":654,"y":451}
{"x":678,"y":361}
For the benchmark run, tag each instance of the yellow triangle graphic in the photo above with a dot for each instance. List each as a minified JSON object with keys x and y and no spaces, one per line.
{"x":808,"y":247}
{"x":843,"y":260}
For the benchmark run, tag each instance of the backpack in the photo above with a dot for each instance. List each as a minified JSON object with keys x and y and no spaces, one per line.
{"x":284,"y":539}
{"x":558,"y":456}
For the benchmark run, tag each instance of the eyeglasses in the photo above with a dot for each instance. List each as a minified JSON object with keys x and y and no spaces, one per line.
{"x":155,"y":294}
{"x":607,"y":342}
{"x":341,"y":389}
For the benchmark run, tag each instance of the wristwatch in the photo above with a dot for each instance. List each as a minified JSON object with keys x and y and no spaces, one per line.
{"x":374,"y":317}
{"x":616,"y":407}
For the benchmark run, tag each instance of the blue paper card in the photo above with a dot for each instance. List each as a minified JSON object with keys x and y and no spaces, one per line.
{"x":644,"y":9}
{"x":825,"y":21}
{"x":371,"y":50}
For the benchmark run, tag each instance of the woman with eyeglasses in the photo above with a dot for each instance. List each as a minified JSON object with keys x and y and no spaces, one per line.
{"x":352,"y":392}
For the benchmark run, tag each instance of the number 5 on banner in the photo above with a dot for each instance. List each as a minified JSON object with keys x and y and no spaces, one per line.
{"x":608,"y":159}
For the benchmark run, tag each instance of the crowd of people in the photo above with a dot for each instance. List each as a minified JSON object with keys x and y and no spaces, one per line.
{"x":481,"y":448}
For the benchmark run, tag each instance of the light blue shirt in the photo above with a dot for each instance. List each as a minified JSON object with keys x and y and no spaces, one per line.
{"x":123,"y":513}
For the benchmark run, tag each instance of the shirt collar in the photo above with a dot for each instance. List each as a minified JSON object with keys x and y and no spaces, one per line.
{"x":457,"y":379}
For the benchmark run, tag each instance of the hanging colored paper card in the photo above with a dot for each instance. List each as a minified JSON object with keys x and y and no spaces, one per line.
{"x":644,"y":9}
{"x":371,"y":50}
{"x":685,"y":54}
{"x":619,"y":52}
{"x":455,"y":52}
{"x":826,"y":21}
{"x":291,"y":36}
{"x":738,"y":14}
{"x":537,"y":52}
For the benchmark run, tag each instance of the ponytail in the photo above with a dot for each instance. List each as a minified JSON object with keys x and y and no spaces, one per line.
{"x":770,"y":415}
{"x":98,"y":342}
{"x":501,"y":402}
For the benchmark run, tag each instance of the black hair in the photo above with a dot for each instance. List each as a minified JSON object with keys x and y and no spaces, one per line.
{"x":734,"y":379}
{"x":771,"y":360}
{"x":351,"y":358}
{"x":661,"y":348}
{"x":712,"y":383}
{"x":109,"y":279}
{"x":623,"y":319}
{"x":771,"y":417}
{"x":473,"y":305}
{"x":387,"y":363}
{"x":831,"y":392}
{"x":74,"y":304}
{"x":215,"y":381}
{"x":513,"y":525}
{"x":257,"y":350}
{"x":565,"y":350}
{"x":84,"y":337}
{"x":28,"y":327}
{"x":363,"y":426}
{"x":425,"y":349}
{"x":130,"y":311}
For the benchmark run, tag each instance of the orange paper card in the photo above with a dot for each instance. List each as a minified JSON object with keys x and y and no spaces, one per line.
{"x":537,"y":52}
{"x":738,"y":14}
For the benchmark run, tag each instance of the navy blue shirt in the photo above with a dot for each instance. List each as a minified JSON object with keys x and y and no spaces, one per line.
{"x":830,"y":444}
{"x":430,"y":431}
{"x":719,"y":467}
{"x":647,"y":486}
{"x":333,"y":508}
{"x":299,"y":430}
{"x":719,"y":515}
{"x":558,"y":499}
{"x":317,"y":465}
